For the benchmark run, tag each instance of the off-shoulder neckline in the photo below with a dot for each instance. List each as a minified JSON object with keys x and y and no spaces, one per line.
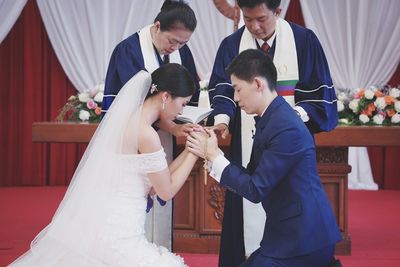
{"x":143,"y":154}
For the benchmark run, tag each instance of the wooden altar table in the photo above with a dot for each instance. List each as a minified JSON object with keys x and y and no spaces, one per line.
{"x":71,"y":132}
{"x":198,"y":209}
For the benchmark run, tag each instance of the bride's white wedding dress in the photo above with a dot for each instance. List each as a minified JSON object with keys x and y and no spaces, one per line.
{"x":123,"y":239}
{"x":101,"y":220}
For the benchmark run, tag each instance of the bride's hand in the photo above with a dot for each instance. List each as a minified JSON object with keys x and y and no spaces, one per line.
{"x":204,"y":144}
{"x":184,"y":129}
{"x":152,"y":191}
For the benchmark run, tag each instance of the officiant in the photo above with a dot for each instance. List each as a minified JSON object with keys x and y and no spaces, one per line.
{"x":304,"y":81}
{"x":161,"y":42}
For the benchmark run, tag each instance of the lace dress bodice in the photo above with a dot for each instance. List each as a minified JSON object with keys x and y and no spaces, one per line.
{"x":134,"y":169}
{"x":146,"y":163}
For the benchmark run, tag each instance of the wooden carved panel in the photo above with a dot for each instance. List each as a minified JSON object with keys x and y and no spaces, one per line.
{"x":210,"y":224}
{"x":217,"y":200}
{"x":332,"y":155}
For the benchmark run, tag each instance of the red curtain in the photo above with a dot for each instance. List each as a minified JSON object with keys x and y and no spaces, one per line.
{"x":294,"y":13}
{"x":385,"y":160}
{"x":34,"y":87}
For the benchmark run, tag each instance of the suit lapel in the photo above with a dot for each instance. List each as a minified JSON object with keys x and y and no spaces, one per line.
{"x":261,"y":137}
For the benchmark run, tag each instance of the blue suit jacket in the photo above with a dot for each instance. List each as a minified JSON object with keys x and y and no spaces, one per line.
{"x":282,"y":175}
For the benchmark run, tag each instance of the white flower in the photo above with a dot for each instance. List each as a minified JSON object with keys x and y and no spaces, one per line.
{"x":344,"y":121}
{"x":340,"y":106}
{"x":363,"y":118}
{"x":394,"y":92}
{"x":380,"y":103}
{"x":353,"y":105}
{"x":99,"y":97}
{"x":84,"y":115}
{"x":378,"y":119}
{"x":84,"y":97}
{"x":342,"y":96}
{"x":397,"y":106}
{"x":395,"y":118}
{"x":369,"y":94}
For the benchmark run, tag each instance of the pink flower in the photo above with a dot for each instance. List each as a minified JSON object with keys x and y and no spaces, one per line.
{"x":91,"y":104}
{"x":359,"y":94}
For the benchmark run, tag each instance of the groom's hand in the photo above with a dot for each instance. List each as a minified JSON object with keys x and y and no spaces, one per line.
{"x":203,"y":144}
{"x":221,"y":129}
{"x":193,"y":143}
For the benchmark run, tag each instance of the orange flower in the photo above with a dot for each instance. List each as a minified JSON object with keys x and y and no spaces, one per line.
{"x":389,"y":100}
{"x":390,"y":112}
{"x":366,"y":112}
{"x":378,"y":93}
{"x":97,"y":111}
{"x":361,"y":93}
{"x":371,"y":107}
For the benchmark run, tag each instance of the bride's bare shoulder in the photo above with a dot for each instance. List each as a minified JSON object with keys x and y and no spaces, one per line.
{"x":148,"y":139}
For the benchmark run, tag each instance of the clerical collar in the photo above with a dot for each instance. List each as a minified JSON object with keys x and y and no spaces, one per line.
{"x":270,"y":41}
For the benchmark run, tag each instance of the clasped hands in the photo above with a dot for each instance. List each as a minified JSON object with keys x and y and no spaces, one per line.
{"x":203,"y":143}
{"x":184,"y":130}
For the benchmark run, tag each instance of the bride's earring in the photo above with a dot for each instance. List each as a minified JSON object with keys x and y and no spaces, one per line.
{"x":163,"y":104}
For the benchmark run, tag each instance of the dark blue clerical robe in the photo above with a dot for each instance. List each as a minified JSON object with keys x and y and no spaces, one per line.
{"x":319,"y":102}
{"x":127,"y":60}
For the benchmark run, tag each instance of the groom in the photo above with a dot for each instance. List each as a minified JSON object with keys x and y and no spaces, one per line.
{"x":300,"y":229}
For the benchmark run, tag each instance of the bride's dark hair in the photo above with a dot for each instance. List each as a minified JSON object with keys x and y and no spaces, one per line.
{"x":173,"y":78}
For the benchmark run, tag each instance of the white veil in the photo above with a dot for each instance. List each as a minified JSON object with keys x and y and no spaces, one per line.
{"x":71,"y":237}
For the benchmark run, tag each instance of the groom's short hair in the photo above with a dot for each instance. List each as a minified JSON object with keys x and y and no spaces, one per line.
{"x":253,"y":63}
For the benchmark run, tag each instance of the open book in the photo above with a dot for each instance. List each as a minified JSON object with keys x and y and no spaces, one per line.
{"x":194,"y":114}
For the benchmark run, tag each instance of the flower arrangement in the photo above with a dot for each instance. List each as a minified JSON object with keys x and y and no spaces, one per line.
{"x":369,"y":106}
{"x":83,"y":107}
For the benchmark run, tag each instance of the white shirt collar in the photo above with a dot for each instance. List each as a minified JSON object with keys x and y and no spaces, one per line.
{"x":263,"y":112}
{"x":270,"y":41}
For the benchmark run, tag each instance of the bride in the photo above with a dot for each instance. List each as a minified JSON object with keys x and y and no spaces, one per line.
{"x":100,"y":221}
